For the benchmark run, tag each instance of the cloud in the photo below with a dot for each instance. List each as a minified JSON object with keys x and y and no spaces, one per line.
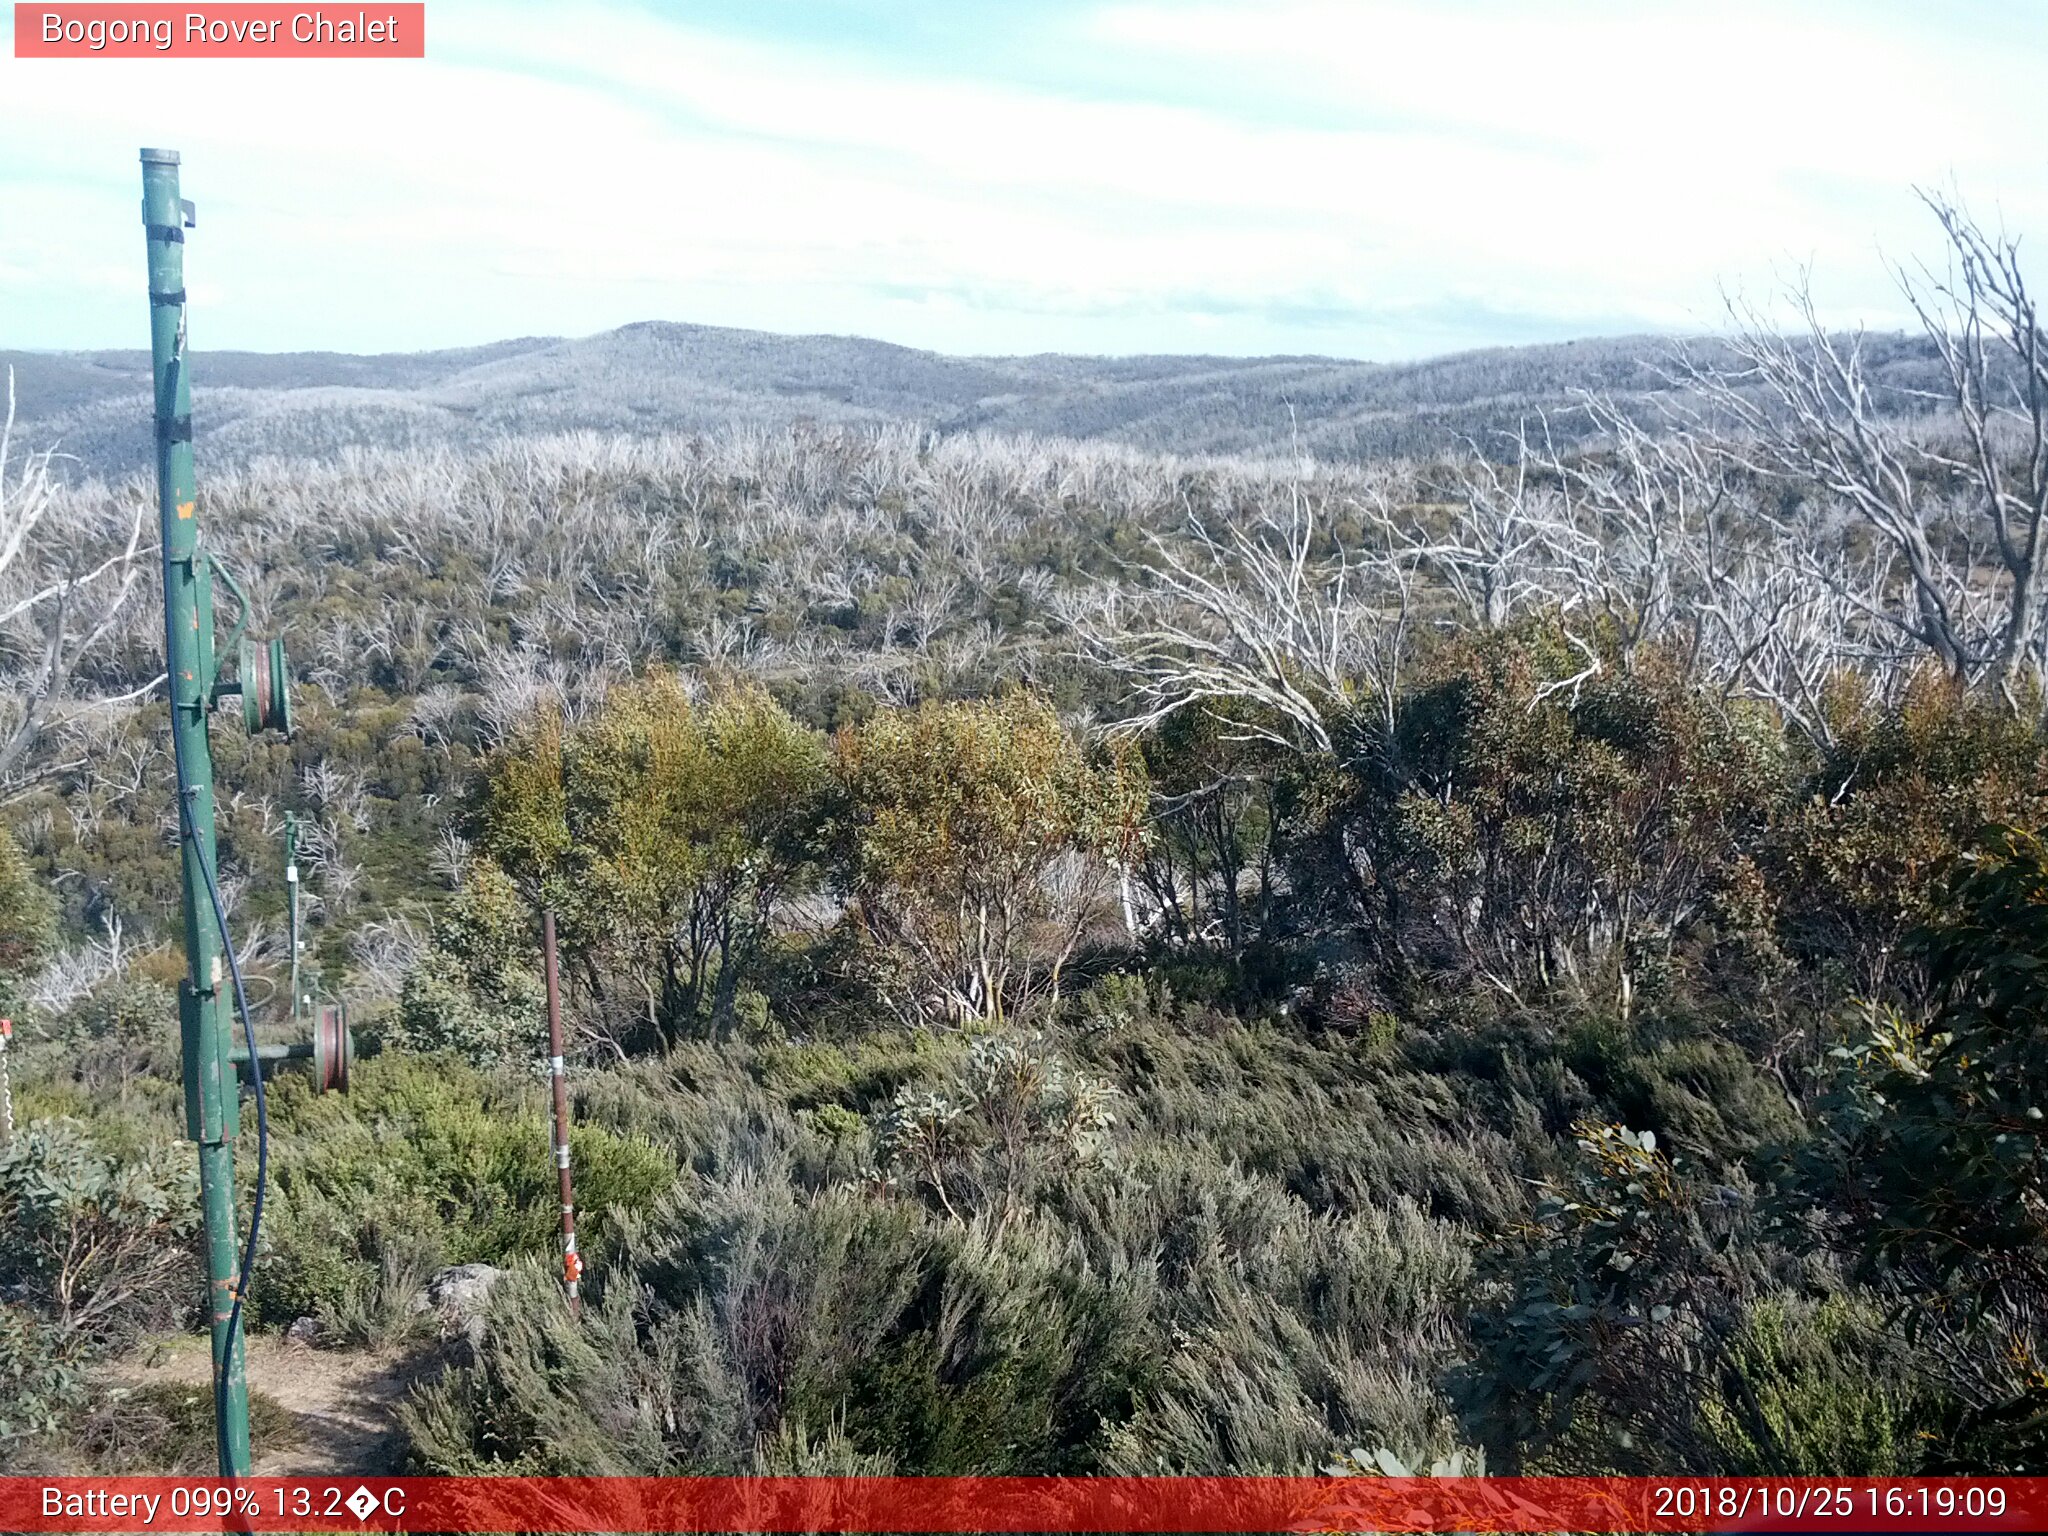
{"x":1305,"y":175}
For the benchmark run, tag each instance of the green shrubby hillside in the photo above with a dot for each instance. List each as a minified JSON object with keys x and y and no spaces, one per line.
{"x":1073,"y":962}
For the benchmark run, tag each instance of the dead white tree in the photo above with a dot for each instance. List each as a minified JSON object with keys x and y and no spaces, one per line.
{"x":1952,"y":482}
{"x":1511,"y":546}
{"x":1252,"y":624}
{"x":1643,"y":506}
{"x":58,"y":600}
{"x":1671,"y":547}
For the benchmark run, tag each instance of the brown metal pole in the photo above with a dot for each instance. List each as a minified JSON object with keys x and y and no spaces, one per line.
{"x":572,"y":1262}
{"x":6,"y":1087}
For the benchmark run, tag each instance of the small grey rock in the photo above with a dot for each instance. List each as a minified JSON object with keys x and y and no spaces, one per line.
{"x":460,"y":1295}
{"x":304,"y":1330}
{"x":464,"y":1285}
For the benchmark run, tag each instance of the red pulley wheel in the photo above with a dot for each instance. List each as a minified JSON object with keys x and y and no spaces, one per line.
{"x":266,"y":686}
{"x":333,"y":1048}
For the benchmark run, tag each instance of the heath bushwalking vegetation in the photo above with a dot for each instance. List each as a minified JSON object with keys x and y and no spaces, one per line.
{"x":1082,"y":961}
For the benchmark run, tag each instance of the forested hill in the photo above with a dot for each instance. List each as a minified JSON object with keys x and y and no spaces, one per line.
{"x":662,"y":377}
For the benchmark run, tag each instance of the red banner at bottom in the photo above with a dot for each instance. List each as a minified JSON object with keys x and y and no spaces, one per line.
{"x":1019,"y":1504}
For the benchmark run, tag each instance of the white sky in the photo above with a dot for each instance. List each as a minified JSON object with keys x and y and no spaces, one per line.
{"x":1370,"y":178}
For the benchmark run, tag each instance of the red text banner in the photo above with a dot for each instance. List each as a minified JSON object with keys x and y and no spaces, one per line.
{"x":235,"y":31}
{"x":1018,"y":1504}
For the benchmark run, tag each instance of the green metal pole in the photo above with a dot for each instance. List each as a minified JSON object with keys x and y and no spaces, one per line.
{"x":211,"y":1098}
{"x":298,"y":1050}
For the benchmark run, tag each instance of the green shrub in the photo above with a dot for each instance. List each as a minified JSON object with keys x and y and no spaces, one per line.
{"x":28,"y":918}
{"x":1278,"y":1336}
{"x":427,"y":1162}
{"x":1932,"y":1165}
{"x":1947,"y":1140}
{"x":1521,"y":829}
{"x":166,"y":1429}
{"x":1701,"y":1095}
{"x":41,"y":1384}
{"x":1012,"y":1116}
{"x":665,"y":829}
{"x":1835,"y":1394}
{"x":119,"y":1041}
{"x":100,"y":1245}
{"x":957,"y":815}
{"x":1606,"y":1320}
{"x":477,"y":991}
{"x":1164,"y":1308}
{"x":1207,"y":865}
{"x":1860,"y":856}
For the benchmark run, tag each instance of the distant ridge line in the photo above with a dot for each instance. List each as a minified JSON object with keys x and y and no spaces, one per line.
{"x":654,"y":376}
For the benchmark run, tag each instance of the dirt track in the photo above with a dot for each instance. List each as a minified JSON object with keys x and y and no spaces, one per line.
{"x":345,"y":1402}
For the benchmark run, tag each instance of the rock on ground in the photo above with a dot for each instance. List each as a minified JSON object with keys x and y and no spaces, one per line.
{"x":460,"y":1296}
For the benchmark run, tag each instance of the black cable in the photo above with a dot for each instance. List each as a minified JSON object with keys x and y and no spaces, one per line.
{"x":220,"y":917}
